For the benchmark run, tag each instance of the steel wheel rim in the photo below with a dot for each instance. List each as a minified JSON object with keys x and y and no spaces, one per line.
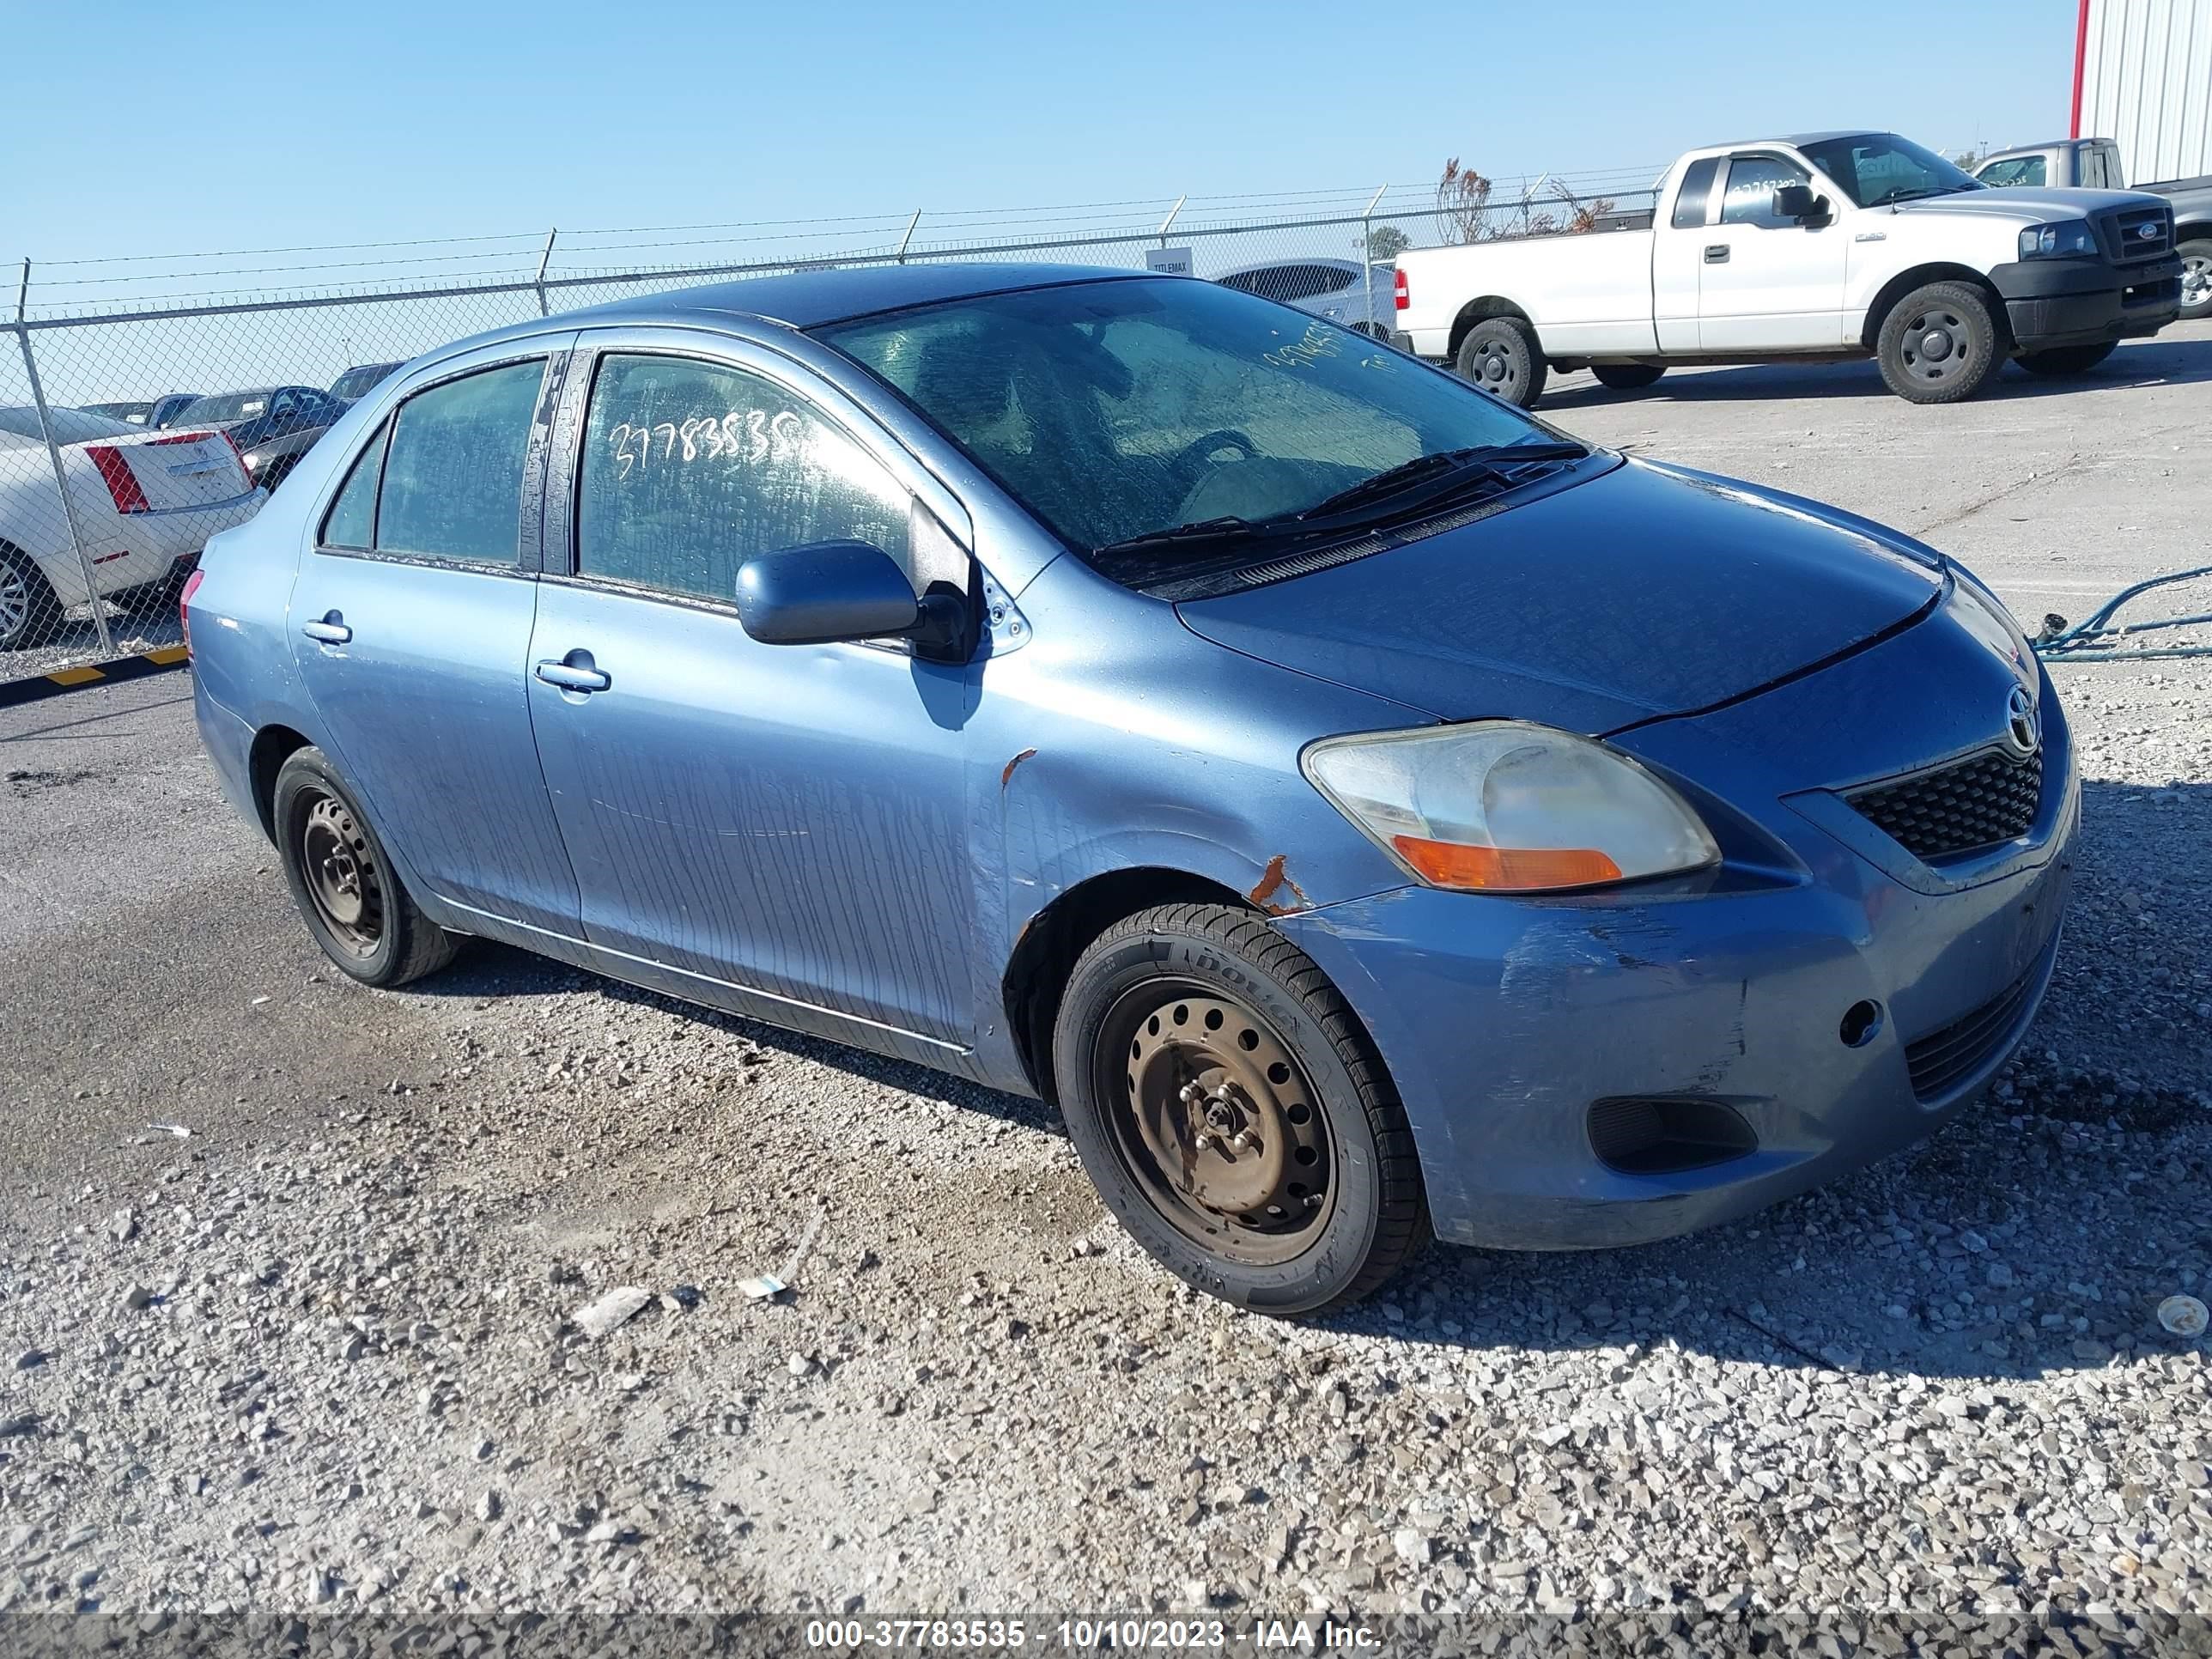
{"x":2195,"y":279}
{"x":1937,"y":346}
{"x":1214,"y":1119}
{"x":341,"y":877}
{"x":14,"y":603}
{"x":1497,"y":371}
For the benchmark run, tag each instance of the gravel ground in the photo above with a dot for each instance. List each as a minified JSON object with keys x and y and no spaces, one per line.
{"x":332,"y":1348}
{"x":78,"y":639}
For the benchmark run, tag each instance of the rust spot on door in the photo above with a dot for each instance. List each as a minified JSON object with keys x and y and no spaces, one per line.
{"x":1007,"y":776}
{"x":1272,"y":881}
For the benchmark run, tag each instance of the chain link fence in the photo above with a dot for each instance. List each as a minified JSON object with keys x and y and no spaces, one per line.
{"x":147,"y":404}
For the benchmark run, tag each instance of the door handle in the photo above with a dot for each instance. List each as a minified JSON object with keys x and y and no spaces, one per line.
{"x":330,"y":630}
{"x":569,"y":678}
{"x":1716,"y":253}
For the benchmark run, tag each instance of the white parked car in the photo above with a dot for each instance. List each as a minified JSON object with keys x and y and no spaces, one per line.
{"x":1828,"y":245}
{"x":1327,"y":287}
{"x":146,"y":503}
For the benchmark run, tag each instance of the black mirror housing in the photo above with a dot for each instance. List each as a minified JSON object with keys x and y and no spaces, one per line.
{"x":1795,"y":202}
{"x":825,"y":592}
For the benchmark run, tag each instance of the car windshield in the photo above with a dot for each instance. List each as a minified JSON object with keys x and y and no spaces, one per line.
{"x":1876,"y":169}
{"x":229,"y":406}
{"x":1121,"y":408}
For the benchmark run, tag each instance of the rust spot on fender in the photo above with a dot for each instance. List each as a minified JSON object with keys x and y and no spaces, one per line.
{"x":1007,"y":776}
{"x":1272,"y":881}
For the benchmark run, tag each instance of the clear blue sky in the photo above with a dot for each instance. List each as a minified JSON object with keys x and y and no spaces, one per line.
{"x":139,"y":128}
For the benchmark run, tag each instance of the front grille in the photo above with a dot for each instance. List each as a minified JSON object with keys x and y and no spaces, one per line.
{"x":2124,"y":234}
{"x":1937,"y":1061}
{"x":1977,"y":802}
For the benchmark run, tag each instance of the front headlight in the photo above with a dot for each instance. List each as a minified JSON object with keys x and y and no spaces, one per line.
{"x":2068,"y":240}
{"x":1506,"y":807}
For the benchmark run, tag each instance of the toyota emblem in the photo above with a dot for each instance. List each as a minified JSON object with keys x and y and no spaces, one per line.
{"x":2023,"y":736}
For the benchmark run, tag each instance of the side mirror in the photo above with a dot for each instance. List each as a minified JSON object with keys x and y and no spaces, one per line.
{"x":823,"y":593}
{"x":1795,"y":202}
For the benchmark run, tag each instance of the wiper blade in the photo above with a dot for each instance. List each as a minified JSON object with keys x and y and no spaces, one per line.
{"x":1449,"y":465}
{"x":1915,"y":193}
{"x":1229,"y":528}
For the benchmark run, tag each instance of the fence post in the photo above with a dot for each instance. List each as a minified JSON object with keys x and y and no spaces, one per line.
{"x":54,"y":457}
{"x":544,"y":259}
{"x":1170,"y":219}
{"x":908,"y":237}
{"x":1367,"y":252}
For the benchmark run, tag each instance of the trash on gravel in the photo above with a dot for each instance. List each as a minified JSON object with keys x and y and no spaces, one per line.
{"x":612,"y":1312}
{"x":680,"y":1298}
{"x":2182,"y":1316}
{"x":763,"y":1288}
{"x":176,"y":1129}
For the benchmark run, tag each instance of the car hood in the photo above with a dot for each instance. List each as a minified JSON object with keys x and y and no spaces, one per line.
{"x":2025,"y":204}
{"x":1649,"y":591}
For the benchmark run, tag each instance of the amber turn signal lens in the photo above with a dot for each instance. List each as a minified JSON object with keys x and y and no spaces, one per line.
{"x":1504,"y":869}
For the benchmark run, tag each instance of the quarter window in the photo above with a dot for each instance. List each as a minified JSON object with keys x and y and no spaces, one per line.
{"x":2020,"y":170}
{"x":691,"y":468}
{"x":1752,"y":182}
{"x":1697,"y":190}
{"x":452,"y":483}
{"x":351,"y":521}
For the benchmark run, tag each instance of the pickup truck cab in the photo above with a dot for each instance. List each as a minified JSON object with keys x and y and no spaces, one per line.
{"x":1822,"y":246}
{"x":2095,"y":163}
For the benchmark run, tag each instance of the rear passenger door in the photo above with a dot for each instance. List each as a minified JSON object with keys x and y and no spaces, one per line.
{"x":777,"y":828}
{"x":411,"y":624}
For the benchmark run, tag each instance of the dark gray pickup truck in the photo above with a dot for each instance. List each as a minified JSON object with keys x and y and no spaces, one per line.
{"x":2094,"y":164}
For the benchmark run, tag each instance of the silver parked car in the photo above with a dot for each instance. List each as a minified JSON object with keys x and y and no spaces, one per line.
{"x":1329,"y":288}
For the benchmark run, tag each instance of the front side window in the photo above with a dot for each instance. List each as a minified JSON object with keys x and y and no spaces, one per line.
{"x":1114,"y":409}
{"x":691,"y":468}
{"x":1752,"y":182}
{"x":452,"y":481}
{"x":2020,"y":170}
{"x":351,"y":521}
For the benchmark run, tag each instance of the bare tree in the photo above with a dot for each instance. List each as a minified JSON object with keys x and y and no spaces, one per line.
{"x":1462,"y":203}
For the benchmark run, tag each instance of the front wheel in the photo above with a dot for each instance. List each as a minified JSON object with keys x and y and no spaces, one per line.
{"x":1938,"y":344}
{"x":2065,"y":359}
{"x":2195,"y":280}
{"x":1233,"y":1114}
{"x":347,"y":892}
{"x":1627,"y":377}
{"x":1501,"y":356}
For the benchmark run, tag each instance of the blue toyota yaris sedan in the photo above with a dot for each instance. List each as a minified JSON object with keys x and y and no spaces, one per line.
{"x":1360,"y":809}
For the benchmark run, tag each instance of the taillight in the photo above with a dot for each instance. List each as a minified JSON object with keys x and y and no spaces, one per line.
{"x":122,"y":483}
{"x":185,"y":606}
{"x":240,"y":455}
{"x":1399,"y":295}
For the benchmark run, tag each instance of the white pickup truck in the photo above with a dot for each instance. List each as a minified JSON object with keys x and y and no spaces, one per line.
{"x":1826,"y":245}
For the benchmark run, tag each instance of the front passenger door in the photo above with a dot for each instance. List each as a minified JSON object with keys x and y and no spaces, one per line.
{"x":1765,"y":283}
{"x":776,"y":829}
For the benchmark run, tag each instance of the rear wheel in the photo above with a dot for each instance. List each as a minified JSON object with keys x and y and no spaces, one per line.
{"x":347,"y":890}
{"x":2195,"y":280}
{"x":1500,"y":354}
{"x":1938,"y":344}
{"x":1627,"y":377}
{"x":2065,"y":359}
{"x":30,"y":612}
{"x":1232,"y":1113}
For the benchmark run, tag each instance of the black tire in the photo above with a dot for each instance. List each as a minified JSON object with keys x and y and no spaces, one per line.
{"x":1501,"y":356}
{"x":322,"y":832}
{"x":1287,"y":1032}
{"x":30,"y":612}
{"x":2066,"y":359}
{"x":1938,"y":345}
{"x":1627,"y":377}
{"x":2195,"y":279}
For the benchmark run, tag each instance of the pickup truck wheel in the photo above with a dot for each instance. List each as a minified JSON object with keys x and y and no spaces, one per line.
{"x":2195,"y":280}
{"x":1627,"y":377}
{"x":2065,"y":359}
{"x":1938,"y":344}
{"x":1233,"y":1114}
{"x":1500,"y":356}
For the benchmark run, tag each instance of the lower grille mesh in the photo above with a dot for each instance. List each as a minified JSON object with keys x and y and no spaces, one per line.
{"x":1937,"y":1061}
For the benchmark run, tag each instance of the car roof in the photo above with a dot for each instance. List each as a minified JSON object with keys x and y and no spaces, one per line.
{"x":2031,"y":149}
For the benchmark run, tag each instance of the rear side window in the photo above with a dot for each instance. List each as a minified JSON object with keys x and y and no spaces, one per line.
{"x":691,"y":468}
{"x":452,"y":480}
{"x":1697,"y":190}
{"x":351,"y":520}
{"x":2020,"y":170}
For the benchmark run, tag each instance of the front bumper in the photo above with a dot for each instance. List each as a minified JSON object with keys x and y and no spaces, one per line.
{"x":1504,"y":1022}
{"x":2062,"y":302}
